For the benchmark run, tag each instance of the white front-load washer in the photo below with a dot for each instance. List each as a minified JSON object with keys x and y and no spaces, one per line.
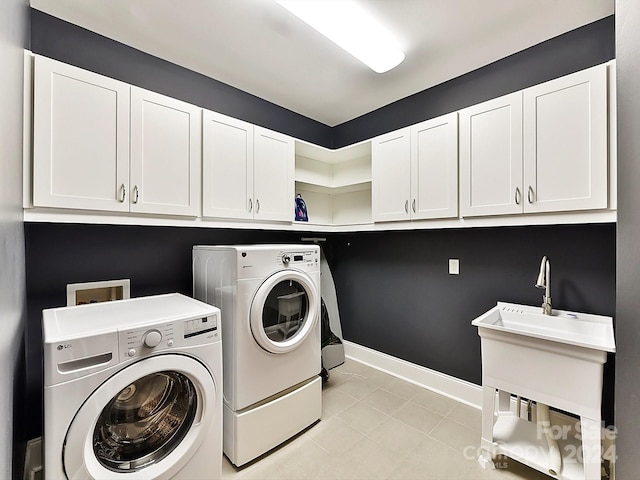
{"x":269,"y":297}
{"x":133,"y":390}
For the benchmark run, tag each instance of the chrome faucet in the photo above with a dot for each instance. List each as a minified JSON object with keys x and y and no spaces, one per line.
{"x":544,"y":281}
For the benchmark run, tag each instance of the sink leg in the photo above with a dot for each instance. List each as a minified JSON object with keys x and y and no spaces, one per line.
{"x":591,"y":449}
{"x":486,"y":461}
{"x":488,"y":410}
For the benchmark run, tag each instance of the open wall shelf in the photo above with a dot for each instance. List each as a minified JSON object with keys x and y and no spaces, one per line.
{"x":335,"y":184}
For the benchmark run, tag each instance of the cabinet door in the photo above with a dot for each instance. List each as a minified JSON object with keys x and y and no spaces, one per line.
{"x":227,"y":167}
{"x":565,"y":143}
{"x":273,"y":175}
{"x":165,"y":155}
{"x":81,"y":138}
{"x":434,"y":168}
{"x":391,"y":176}
{"x":491,"y":157}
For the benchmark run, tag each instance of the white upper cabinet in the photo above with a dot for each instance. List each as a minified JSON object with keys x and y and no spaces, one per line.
{"x":81,"y":138}
{"x":391,"y":176}
{"x":273,"y":175}
{"x":103,"y":145}
{"x":165,"y":154}
{"x":565,"y":143}
{"x":544,"y":149}
{"x":491,"y":157}
{"x":247,"y":170}
{"x":415,"y":171}
{"x":100,"y":144}
{"x":227,"y":169}
{"x":434,"y":168}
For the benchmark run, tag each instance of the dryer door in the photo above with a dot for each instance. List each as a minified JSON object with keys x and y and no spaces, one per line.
{"x":284,"y":311}
{"x":146,"y":421}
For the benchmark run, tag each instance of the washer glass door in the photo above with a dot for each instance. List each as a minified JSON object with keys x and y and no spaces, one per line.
{"x":145,"y":421}
{"x":284,"y":311}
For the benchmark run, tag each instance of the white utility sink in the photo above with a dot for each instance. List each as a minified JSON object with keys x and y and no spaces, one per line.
{"x":556,"y":360}
{"x":579,"y":329}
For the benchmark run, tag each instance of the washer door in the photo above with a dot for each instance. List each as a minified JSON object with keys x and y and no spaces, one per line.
{"x":146,"y":421}
{"x":284,"y":311}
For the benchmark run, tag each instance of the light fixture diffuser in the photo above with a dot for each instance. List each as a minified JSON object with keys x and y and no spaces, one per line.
{"x":352,"y":28}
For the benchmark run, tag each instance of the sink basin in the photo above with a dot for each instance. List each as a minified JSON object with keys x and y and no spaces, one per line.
{"x":579,"y":329}
{"x":555,"y":359}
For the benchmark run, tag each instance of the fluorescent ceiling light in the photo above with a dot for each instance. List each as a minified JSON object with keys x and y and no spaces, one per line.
{"x":351,"y":27}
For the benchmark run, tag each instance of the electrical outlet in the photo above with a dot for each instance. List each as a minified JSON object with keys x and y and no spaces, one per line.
{"x":454,"y":266}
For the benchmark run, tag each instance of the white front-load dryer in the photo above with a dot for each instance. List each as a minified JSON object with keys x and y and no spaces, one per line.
{"x":133,"y":390}
{"x":269,"y":296}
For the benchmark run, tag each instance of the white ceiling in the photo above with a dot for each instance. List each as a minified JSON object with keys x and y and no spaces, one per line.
{"x":259,"y":47}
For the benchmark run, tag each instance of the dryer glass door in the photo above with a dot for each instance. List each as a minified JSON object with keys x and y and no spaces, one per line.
{"x":284,"y":311}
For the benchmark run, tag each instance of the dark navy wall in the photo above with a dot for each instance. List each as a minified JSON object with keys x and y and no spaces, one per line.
{"x":396,"y":296}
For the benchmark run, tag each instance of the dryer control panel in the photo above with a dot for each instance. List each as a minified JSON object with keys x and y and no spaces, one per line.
{"x":298,"y":258}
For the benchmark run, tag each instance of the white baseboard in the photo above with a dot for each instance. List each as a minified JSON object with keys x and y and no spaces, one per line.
{"x":452,"y":387}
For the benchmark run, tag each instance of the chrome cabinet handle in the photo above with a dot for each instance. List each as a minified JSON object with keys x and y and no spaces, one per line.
{"x":413,"y":205}
{"x":518,"y":196}
{"x":406,"y":206}
{"x":257,"y":206}
{"x":123,"y":193}
{"x":250,"y":205}
{"x":530,"y":194}
{"x":135,"y":194}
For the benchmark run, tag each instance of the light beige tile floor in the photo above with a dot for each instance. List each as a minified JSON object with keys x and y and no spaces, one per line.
{"x":376,"y":426}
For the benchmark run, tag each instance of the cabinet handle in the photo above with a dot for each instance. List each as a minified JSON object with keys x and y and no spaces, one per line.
{"x":413,"y":205}
{"x":406,"y":206}
{"x":530,"y":194}
{"x":257,"y":206}
{"x":123,"y":192}
{"x":135,"y":194}
{"x":250,"y":205}
{"x":518,"y":196}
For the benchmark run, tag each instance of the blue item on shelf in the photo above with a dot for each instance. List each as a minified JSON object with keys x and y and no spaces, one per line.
{"x":301,"y":209}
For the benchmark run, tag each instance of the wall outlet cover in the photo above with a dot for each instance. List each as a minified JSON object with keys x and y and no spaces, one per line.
{"x":93,"y":292}
{"x":454,"y":266}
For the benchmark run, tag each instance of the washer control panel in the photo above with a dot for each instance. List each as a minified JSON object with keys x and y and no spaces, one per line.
{"x":200,"y":326}
{"x":135,"y":342}
{"x":139,"y":341}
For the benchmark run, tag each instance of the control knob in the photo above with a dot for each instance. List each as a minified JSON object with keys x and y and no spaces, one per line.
{"x":152,"y":338}
{"x":286,"y":258}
